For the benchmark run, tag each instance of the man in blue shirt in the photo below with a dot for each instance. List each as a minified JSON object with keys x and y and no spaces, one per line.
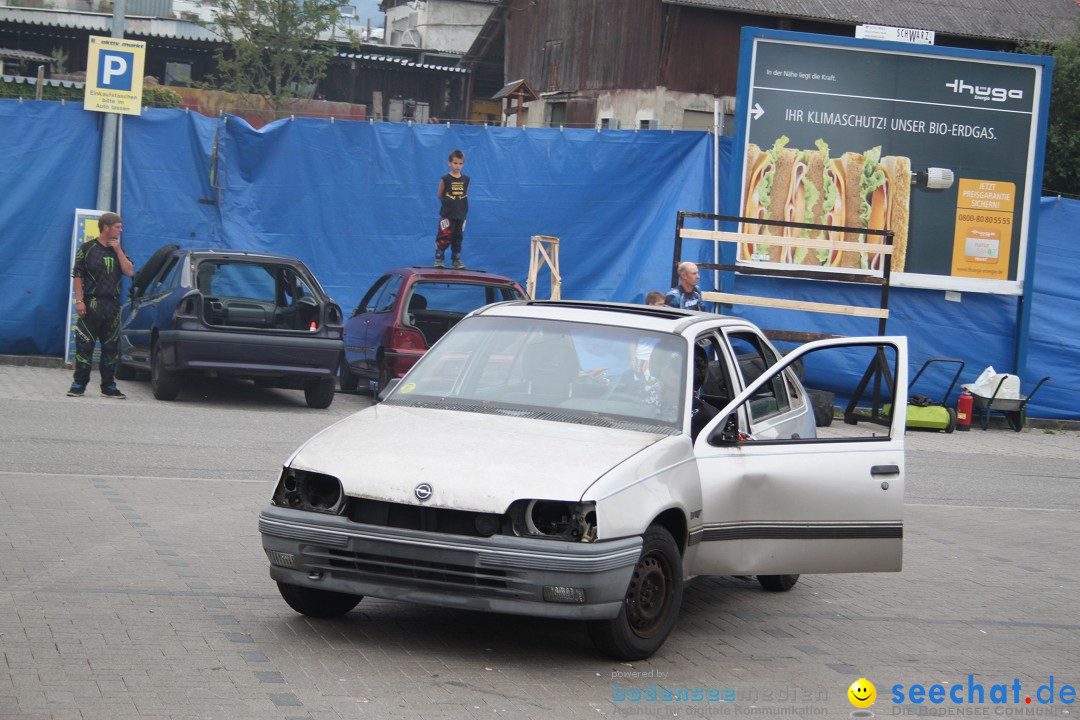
{"x":686,"y":295}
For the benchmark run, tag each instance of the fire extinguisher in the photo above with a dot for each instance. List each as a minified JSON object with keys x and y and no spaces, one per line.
{"x":964,"y":405}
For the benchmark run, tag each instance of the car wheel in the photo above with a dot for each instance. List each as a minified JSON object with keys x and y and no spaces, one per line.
{"x":123,"y":372}
{"x":320,"y":393}
{"x":384,"y":375}
{"x":651,"y":605}
{"x":165,"y":384}
{"x":318,"y":603}
{"x":346,"y":379}
{"x":778,"y":583}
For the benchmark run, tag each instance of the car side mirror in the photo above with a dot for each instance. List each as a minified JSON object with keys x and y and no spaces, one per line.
{"x":727,"y":432}
{"x":380,"y":396}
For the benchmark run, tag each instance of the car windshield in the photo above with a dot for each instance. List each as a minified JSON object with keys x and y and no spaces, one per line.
{"x":554,"y":370}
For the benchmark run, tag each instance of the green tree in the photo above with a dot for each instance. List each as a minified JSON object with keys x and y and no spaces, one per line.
{"x":276,"y":48}
{"x":1061,"y":174}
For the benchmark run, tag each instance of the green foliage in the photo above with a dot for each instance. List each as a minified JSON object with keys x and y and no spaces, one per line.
{"x":275,"y":48}
{"x":1061,"y":174}
{"x":49,"y":92}
{"x":159,"y":97}
{"x":60,"y":60}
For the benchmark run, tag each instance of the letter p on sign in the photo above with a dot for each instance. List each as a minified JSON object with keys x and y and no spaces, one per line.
{"x":115,"y":69}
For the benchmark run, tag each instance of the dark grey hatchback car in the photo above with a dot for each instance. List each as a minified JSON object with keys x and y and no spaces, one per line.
{"x":224,"y":312}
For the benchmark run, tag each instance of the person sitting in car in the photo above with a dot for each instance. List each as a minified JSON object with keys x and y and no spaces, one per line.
{"x":701,"y":412}
{"x":665,"y":389}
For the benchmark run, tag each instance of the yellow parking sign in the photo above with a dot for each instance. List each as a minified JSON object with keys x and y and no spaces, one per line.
{"x":114,"y":75}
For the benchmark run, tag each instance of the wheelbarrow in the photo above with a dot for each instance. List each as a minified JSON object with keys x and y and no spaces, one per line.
{"x":1014,"y":409}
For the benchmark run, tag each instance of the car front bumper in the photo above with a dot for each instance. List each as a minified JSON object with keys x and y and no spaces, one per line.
{"x":250,"y":353}
{"x":499,"y":573}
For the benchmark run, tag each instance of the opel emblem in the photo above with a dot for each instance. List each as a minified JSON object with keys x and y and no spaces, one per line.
{"x":423,"y":492}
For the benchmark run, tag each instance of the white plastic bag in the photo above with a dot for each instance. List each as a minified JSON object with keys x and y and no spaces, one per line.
{"x":988,"y":382}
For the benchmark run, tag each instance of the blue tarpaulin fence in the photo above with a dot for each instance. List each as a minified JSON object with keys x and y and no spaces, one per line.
{"x":355,"y":199}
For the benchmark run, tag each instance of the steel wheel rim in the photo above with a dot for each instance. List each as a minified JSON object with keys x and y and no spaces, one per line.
{"x":648,"y":599}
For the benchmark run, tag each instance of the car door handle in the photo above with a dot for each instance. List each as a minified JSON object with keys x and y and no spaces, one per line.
{"x":884,"y":470}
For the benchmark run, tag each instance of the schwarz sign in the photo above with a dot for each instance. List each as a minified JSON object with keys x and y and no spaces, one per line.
{"x":944,"y":146}
{"x":114,"y":75}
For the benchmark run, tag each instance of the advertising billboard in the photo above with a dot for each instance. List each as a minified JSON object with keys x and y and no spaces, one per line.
{"x":943,"y":146}
{"x":85,"y":228}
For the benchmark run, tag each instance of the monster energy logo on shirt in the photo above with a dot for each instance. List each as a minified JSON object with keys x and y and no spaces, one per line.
{"x":109,"y":261}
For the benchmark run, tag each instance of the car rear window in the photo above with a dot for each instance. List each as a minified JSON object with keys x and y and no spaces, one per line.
{"x":462,"y":297}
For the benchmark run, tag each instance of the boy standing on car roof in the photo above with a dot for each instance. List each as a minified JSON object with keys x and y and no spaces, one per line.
{"x":454,"y":194}
{"x":100,"y":265}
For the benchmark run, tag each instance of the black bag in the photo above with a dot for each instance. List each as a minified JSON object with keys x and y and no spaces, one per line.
{"x":822,"y":401}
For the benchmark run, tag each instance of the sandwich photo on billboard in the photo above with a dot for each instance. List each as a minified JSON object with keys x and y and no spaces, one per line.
{"x":854,"y":190}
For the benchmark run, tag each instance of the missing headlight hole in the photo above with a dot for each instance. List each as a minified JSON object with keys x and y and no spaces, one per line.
{"x":565,"y":520}
{"x":309,"y":491}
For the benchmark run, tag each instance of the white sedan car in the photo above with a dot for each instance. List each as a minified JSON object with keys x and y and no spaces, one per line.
{"x":583,"y":460}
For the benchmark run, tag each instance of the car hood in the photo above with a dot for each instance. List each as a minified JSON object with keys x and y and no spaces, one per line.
{"x":473,"y":461}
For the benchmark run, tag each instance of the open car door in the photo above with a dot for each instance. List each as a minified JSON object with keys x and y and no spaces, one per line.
{"x":778,"y":503}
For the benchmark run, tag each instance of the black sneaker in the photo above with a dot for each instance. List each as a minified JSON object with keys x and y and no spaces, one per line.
{"x":76,"y":390}
{"x":458,"y":265}
{"x":439,"y":263}
{"x":111,"y":391}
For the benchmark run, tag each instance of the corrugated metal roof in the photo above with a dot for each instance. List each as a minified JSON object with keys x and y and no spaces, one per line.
{"x":402,"y":61}
{"x":96,"y":22}
{"x":23,"y":55}
{"x":997,"y":19}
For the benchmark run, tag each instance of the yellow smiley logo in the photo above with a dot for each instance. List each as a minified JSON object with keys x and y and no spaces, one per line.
{"x":862,"y":693}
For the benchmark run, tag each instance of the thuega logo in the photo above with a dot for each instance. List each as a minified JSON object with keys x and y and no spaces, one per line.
{"x":984,"y":92}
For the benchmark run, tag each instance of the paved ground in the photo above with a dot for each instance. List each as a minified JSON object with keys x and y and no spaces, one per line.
{"x":133,"y":585}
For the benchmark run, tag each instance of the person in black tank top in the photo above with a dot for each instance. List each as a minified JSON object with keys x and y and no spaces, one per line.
{"x":454,"y":196}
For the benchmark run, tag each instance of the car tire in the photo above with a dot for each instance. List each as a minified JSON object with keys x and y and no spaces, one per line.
{"x":165,"y":384}
{"x":320,"y":393}
{"x":651,"y":604}
{"x":777,"y":583}
{"x":123,"y":372}
{"x":347,"y":381}
{"x":384,"y":377}
{"x":318,"y":603}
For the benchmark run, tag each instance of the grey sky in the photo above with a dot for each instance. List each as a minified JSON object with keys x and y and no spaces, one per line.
{"x":368,"y":9}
